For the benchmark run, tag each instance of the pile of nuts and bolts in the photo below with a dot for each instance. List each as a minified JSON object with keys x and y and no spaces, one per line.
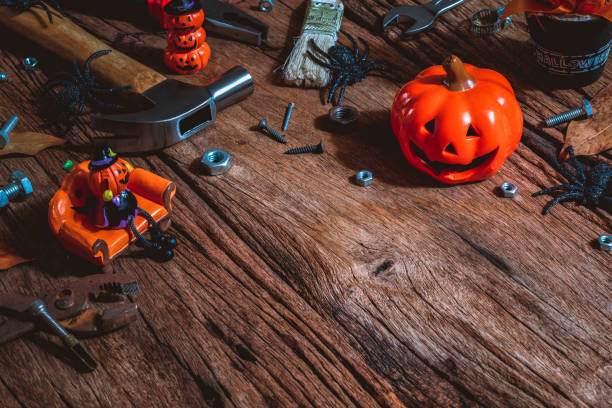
{"x":19,"y":187}
{"x":266,"y":5}
{"x":363,"y":178}
{"x":508,"y":189}
{"x":343,"y":115}
{"x":605,"y":242}
{"x":216,"y":162}
{"x":29,"y":63}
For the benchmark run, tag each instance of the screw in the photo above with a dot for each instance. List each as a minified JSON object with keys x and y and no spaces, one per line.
{"x":307,"y":149}
{"x":3,"y":77}
{"x":585,"y":111}
{"x":6,"y":129}
{"x":19,"y":187}
{"x":287,"y":116}
{"x":605,"y":242}
{"x":264,"y":128}
{"x":29,"y":63}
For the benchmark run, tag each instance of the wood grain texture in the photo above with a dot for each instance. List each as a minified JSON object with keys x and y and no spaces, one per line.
{"x":293,"y":287}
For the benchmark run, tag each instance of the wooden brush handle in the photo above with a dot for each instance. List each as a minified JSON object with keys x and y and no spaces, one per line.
{"x":66,"y":39}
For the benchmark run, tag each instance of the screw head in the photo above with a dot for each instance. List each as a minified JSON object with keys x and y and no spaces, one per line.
{"x":588,"y":108}
{"x":29,"y":63}
{"x":508,"y":189}
{"x":320,"y":148}
{"x":17,"y":177}
{"x":364,"y":178}
{"x":605,"y":242}
{"x":262,"y":124}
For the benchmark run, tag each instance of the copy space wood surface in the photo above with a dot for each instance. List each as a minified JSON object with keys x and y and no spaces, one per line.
{"x":292,"y":287}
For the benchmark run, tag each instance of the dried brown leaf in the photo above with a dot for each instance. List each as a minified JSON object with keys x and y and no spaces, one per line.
{"x":593,"y":135}
{"x":30,"y":143}
{"x":9,"y":257}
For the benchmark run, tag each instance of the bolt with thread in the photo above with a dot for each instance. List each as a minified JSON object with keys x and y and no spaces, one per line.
{"x":264,"y":128}
{"x":585,"y":111}
{"x":6,"y":129}
{"x":307,"y":149}
{"x":11,"y":191}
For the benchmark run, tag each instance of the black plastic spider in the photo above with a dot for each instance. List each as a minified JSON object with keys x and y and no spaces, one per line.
{"x":592,"y":189}
{"x":347,"y":67}
{"x":79,"y":88}
{"x":23,"y":5}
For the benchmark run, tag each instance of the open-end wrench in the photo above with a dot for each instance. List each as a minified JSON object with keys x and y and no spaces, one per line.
{"x":419,"y":18}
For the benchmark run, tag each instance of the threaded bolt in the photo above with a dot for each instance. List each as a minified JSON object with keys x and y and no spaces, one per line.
{"x":19,"y":186}
{"x":287,"y":116}
{"x":307,"y":149}
{"x":264,"y":128}
{"x":585,"y":111}
{"x":6,"y":129}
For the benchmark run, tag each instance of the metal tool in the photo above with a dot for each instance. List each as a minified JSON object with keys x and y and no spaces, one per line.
{"x":173,"y":110}
{"x":6,"y":129}
{"x":585,"y":111}
{"x":418,"y":18}
{"x":287,"y":116}
{"x":228,"y":21}
{"x":67,"y":310}
{"x":19,"y":187}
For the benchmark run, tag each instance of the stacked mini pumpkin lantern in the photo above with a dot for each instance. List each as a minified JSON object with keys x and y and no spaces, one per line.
{"x":456,"y":122}
{"x":187,"y":51}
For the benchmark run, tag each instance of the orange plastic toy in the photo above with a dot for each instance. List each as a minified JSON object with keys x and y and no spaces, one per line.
{"x":456,"y":122}
{"x":76,"y":230}
{"x":187,"y":51}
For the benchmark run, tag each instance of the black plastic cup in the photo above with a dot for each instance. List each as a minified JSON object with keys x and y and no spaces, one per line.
{"x":571,"y":50}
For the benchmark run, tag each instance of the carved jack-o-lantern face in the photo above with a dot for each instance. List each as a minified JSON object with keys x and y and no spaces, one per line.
{"x":110,"y":181}
{"x":185,"y":22}
{"x":186,"y":41}
{"x":187,"y":62}
{"x":456,"y":122}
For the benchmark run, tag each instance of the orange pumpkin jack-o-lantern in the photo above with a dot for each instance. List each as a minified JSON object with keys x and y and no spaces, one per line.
{"x":187,"y":62}
{"x":186,"y":41}
{"x":456,"y":122}
{"x":191,"y":18}
{"x":109,"y":175}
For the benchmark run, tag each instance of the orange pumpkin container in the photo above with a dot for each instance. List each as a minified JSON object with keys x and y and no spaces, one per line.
{"x":457,"y":123}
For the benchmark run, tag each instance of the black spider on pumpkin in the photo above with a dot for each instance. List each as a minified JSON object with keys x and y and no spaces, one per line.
{"x":80,"y":87}
{"x":347,"y":66}
{"x":23,"y":5}
{"x":592,"y":189}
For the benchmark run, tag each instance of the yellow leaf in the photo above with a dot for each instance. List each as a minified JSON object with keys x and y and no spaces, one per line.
{"x":9,"y":257}
{"x":30,"y":143}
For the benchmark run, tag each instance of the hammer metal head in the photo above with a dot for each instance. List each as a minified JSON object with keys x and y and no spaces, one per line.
{"x":179,"y":111}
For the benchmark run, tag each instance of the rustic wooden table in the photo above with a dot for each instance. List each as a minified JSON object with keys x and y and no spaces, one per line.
{"x":294,"y":287}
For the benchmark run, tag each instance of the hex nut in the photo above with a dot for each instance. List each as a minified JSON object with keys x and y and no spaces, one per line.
{"x":266,"y":5}
{"x":508,"y":189}
{"x":216,"y":162}
{"x":363,"y":178}
{"x":23,"y":182}
{"x":3,"y":77}
{"x":343,"y":115}
{"x":605,"y":242}
{"x":29,"y":63}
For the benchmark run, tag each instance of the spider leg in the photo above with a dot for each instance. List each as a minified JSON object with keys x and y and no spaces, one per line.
{"x":332,"y":91}
{"x":103,"y":104}
{"x":77,"y":70}
{"x":51,"y":84}
{"x":323,"y":53}
{"x":576,"y":164}
{"x":564,"y":172}
{"x":110,"y":90}
{"x":341,"y":94}
{"x":557,"y":200}
{"x":323,"y":63}
{"x":353,"y":43}
{"x":92,"y":57}
{"x":560,"y":187}
{"x":366,"y":47}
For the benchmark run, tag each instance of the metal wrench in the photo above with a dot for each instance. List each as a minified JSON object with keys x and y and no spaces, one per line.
{"x":422,"y":17}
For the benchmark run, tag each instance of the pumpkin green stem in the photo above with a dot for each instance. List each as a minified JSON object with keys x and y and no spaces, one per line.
{"x":457,"y":77}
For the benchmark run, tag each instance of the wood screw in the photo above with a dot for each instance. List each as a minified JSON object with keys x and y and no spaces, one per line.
{"x":264,"y":128}
{"x":585,"y":111}
{"x":307,"y":149}
{"x":287,"y":116}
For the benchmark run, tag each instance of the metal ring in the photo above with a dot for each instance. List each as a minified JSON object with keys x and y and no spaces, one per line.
{"x":488,"y":21}
{"x":343,"y":115}
{"x":266,"y":5}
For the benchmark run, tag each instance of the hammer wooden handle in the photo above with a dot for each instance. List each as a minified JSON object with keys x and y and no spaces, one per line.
{"x":71,"y":42}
